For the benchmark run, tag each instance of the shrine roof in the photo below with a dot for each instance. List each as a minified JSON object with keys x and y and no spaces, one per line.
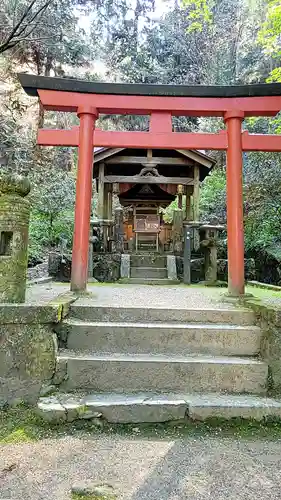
{"x":146,"y":193}
{"x":31,"y":83}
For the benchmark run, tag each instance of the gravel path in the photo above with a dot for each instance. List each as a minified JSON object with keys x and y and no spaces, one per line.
{"x":189,"y":468}
{"x":137,"y":295}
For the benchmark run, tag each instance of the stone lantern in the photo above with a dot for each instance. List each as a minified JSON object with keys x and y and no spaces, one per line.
{"x":209,"y":243}
{"x":14,"y":224}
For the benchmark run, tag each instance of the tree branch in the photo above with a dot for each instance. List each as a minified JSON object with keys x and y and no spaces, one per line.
{"x":23,"y":17}
{"x":21,"y":27}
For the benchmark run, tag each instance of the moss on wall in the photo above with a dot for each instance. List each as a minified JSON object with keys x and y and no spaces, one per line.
{"x":268,"y":317}
{"x":27,"y":360}
{"x":14,"y":221}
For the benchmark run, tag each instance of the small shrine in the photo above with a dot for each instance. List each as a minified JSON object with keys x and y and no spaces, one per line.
{"x":143,"y":183}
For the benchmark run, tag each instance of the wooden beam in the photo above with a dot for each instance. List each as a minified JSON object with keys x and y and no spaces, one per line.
{"x":174,"y":140}
{"x":196,"y":156}
{"x":101,"y":155}
{"x":138,"y":140}
{"x":137,"y":179}
{"x":56,"y":100}
{"x":139,"y":160}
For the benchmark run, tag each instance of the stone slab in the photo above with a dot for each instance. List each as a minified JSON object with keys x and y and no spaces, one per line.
{"x":149,"y":281}
{"x":123,"y":373}
{"x":172,"y":267}
{"x":172,"y":338}
{"x":125,"y":266}
{"x":90,"y":312}
{"x":114,"y":408}
{"x":202,"y":407}
{"x":148,"y":260}
{"x":51,"y":410}
{"x":149,"y":272}
{"x":148,"y":407}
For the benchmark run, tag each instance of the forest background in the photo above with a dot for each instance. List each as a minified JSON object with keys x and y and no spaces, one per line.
{"x":216,"y":42}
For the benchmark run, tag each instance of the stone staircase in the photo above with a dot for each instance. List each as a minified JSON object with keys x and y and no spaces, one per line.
{"x":141,"y":364}
{"x":150,"y":268}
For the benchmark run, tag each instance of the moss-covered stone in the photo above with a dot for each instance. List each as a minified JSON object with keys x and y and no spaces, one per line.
{"x":93,"y":491}
{"x":106,"y":267}
{"x":64,"y":301}
{"x":30,"y":313}
{"x":27,"y":360}
{"x":14,"y":223}
{"x":268,"y":317}
{"x":28,"y":349}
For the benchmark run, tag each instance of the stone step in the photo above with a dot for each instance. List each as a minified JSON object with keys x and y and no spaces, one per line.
{"x":148,"y":281}
{"x":149,"y":272}
{"x":88,"y":312}
{"x":144,"y":408}
{"x":171,"y":338}
{"x":131,"y":373}
{"x":150,"y":260}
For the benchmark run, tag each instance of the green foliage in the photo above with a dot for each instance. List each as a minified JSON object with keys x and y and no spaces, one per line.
{"x":213,"y":196}
{"x":199,"y":13}
{"x":262,"y":182}
{"x":53,"y":211}
{"x":269,"y":37}
{"x":168,"y":212}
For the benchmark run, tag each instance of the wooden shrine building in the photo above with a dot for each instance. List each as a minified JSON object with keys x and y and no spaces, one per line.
{"x":146,"y":181}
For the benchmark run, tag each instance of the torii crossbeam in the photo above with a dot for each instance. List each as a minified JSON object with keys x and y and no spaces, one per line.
{"x":160,"y":102}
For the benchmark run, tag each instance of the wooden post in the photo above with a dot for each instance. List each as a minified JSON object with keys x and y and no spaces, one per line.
{"x":119,"y":230}
{"x":105,"y":229}
{"x":196,"y":194}
{"x":177,"y":231}
{"x":101,"y":191}
{"x":196,"y":200}
{"x":105,"y":202}
{"x":109,"y":202}
{"x":180,"y":193}
{"x":234,"y":184}
{"x":79,"y":272}
{"x":188,"y":215}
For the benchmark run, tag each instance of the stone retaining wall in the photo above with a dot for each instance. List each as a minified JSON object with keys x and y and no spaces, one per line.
{"x":28,"y":348}
{"x":106,"y":267}
{"x":268,"y":317}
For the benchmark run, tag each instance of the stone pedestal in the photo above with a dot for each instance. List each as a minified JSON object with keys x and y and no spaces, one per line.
{"x":14,"y":224}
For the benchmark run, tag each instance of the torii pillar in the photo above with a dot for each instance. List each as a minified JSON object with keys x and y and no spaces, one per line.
{"x":79,"y":272}
{"x":234,"y":185}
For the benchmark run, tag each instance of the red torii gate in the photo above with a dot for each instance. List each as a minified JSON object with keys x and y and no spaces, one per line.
{"x":161,"y":102}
